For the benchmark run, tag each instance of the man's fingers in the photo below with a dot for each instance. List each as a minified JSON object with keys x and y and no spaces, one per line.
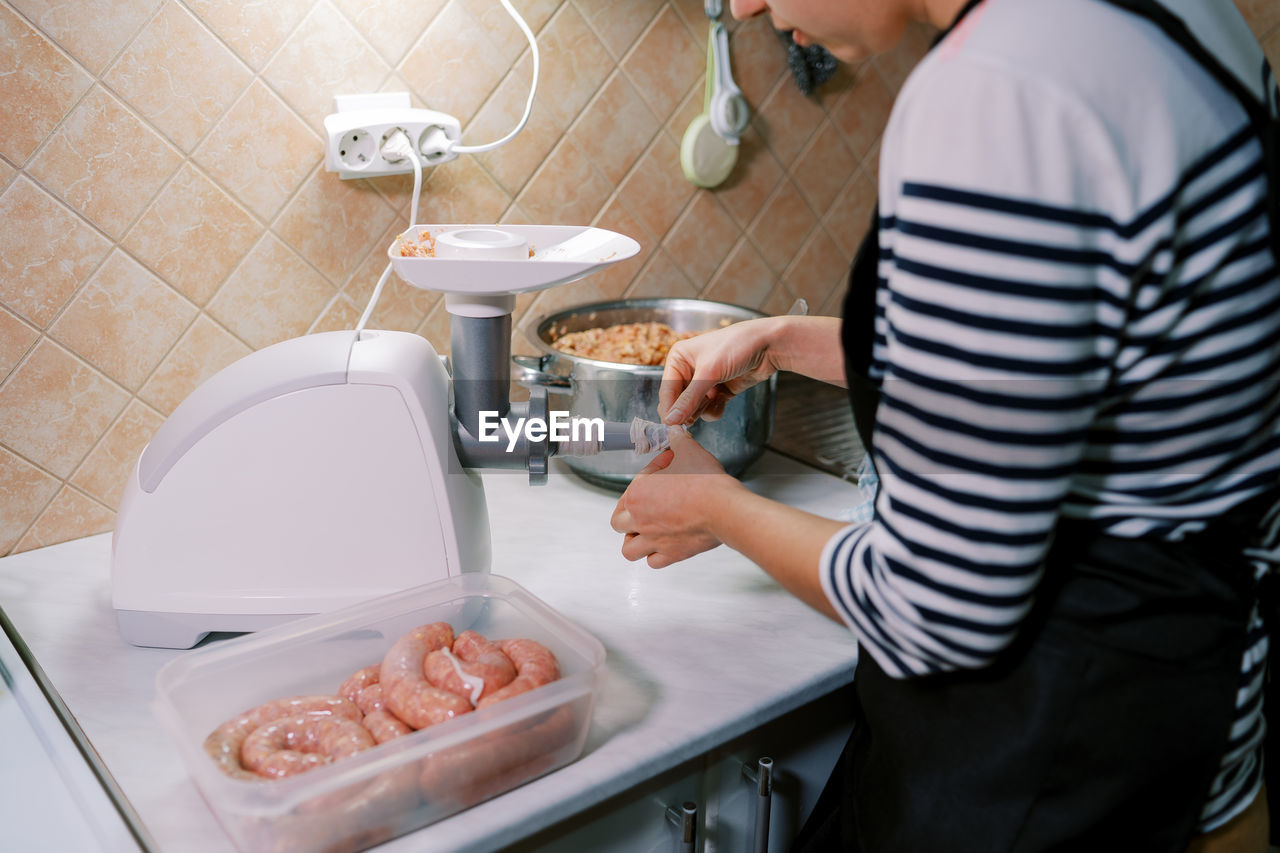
{"x":691,"y":402}
{"x":659,"y":561}
{"x":636,"y":548}
{"x":657,"y":463}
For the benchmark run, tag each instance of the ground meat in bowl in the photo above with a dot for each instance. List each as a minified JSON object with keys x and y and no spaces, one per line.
{"x":627,"y":343}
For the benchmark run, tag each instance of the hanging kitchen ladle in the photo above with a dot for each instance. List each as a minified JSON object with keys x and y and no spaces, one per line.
{"x":709,"y":148}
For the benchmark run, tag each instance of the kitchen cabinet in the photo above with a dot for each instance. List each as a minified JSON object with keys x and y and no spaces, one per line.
{"x":803,"y":746}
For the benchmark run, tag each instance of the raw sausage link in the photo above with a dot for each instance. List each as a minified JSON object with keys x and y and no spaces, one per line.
{"x":361,"y":679}
{"x":296,"y":744}
{"x":476,"y":657}
{"x":371,"y":699}
{"x":385,"y":726}
{"x":478,"y":769}
{"x":405,"y":688}
{"x":535,"y":666}
{"x":224,"y":744}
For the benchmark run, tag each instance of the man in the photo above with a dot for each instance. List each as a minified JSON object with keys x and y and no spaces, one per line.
{"x":1071,"y":317}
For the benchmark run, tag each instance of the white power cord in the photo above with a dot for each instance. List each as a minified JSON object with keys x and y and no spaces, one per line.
{"x":397,"y":147}
{"x":528,"y":104}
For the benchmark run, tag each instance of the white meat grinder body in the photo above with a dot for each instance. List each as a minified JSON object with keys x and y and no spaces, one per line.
{"x":333,"y":468}
{"x":307,"y":476}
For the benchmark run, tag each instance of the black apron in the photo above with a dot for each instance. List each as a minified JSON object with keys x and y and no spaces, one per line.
{"x":1103,"y":726}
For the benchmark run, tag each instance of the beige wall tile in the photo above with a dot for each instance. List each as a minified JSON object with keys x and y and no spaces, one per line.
{"x":272,"y":296}
{"x":203,"y":350}
{"x":780,"y":301}
{"x":786,"y":119}
{"x":694,"y":15}
{"x":391,"y":26}
{"x":817,"y":270}
{"x":253,"y":28}
{"x":324,"y":56}
{"x":745,"y":279}
{"x":615,"y":128}
{"x":54,"y":407}
{"x":584,"y":291}
{"x":16,"y":337}
{"x":236,"y":152}
{"x":71,"y":515}
{"x":818,"y":169}
{"x":193,"y":235}
{"x":574,"y":64}
{"x":454,"y":66}
{"x":665,"y":63}
{"x":615,"y":217}
{"x":752,"y":181}
{"x":129,"y":163}
{"x":689,"y":108}
{"x":863,"y":111}
{"x":333,"y":223}
{"x":46,"y":252}
{"x":436,"y":328}
{"x":109,"y":465}
{"x":1262,"y":15}
{"x":849,"y":217}
{"x":178,"y":75}
{"x":40,"y":85}
{"x":401,"y":307}
{"x":27,"y":490}
{"x":619,"y":23}
{"x":92,"y":31}
{"x":502,"y":31}
{"x":656,"y":190}
{"x":661,"y":277}
{"x":461,"y":191}
{"x":514,"y":163}
{"x":262,"y":237}
{"x":340,"y":314}
{"x":123,"y":321}
{"x":566,"y":190}
{"x":702,"y":238}
{"x":783,"y":224}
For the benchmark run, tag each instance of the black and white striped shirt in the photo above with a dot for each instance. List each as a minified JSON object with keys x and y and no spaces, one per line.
{"x":1078,"y":315}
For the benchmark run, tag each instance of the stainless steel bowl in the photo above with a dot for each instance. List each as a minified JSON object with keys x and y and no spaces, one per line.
{"x":618,"y":392}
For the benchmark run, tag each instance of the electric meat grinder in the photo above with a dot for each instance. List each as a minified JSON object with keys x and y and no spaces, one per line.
{"x":336,"y":467}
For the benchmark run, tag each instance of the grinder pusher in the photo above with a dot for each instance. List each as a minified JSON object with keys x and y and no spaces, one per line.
{"x":336,"y":467}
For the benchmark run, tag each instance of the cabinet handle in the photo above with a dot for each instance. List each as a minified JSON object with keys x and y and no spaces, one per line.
{"x":686,"y":818}
{"x":761,"y":777}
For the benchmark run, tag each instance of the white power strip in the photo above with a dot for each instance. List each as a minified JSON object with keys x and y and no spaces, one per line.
{"x":360,"y":124}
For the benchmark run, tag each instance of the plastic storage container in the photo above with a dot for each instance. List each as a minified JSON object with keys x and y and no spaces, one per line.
{"x":411,"y":781}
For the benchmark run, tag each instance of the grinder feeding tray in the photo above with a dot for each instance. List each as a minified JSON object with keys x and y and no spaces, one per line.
{"x":337,"y":467}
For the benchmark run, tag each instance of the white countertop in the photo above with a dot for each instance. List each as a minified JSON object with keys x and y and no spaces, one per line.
{"x":698,"y":654}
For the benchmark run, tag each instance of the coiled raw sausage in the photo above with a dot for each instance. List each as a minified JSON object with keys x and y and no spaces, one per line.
{"x":535,"y":666}
{"x":359,"y":680}
{"x":293,"y":745}
{"x":405,"y":688}
{"x":225,"y":743}
{"x":477,"y":658}
{"x":385,"y":726}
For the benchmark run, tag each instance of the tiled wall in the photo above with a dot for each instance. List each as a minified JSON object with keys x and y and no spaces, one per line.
{"x":163,"y":210}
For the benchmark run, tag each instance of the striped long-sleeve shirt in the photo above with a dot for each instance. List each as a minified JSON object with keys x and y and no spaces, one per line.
{"x":1079,"y":316}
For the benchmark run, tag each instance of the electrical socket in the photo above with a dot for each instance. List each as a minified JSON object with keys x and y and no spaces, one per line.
{"x":360,"y":124}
